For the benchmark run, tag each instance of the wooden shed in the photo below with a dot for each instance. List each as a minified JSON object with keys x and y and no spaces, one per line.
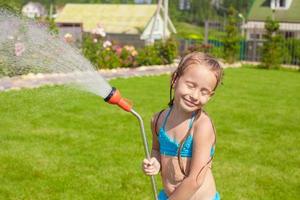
{"x":123,"y":23}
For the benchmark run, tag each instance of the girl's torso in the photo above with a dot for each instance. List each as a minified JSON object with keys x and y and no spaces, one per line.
{"x":172,"y":177}
{"x":171,"y":172}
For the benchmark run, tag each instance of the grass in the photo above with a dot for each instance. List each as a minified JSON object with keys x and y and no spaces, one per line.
{"x":190,"y":31}
{"x":62,"y":143}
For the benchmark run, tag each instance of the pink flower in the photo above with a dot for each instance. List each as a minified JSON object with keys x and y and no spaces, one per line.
{"x":107,"y":43}
{"x":117,"y":49}
{"x":19,"y":48}
{"x":129,"y":48}
{"x":99,"y":30}
{"x":134,"y":53}
{"x":68,"y":38}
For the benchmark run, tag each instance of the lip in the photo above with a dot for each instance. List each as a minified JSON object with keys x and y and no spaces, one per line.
{"x":189,"y":103}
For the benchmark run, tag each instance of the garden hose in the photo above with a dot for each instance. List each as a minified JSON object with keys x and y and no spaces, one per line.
{"x":115,"y":98}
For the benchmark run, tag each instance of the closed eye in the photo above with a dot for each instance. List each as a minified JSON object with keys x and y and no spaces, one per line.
{"x":190,"y":85}
{"x":205,"y":91}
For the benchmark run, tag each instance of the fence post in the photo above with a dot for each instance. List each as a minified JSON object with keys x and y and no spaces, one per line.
{"x":206,"y":32}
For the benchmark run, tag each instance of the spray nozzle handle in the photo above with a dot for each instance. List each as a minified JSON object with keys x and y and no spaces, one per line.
{"x":115,"y":97}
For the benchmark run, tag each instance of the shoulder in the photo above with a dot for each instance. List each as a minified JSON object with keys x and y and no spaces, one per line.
{"x":204,"y":128}
{"x":158,"y":116}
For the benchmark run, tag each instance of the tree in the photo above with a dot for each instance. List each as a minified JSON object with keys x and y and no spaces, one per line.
{"x":272,"y":48}
{"x":14,"y":6}
{"x":231,"y":41}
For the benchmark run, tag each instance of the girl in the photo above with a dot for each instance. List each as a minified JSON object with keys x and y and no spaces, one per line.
{"x":183,"y":135}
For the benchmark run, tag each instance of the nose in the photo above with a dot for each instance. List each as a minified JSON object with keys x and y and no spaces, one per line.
{"x":195,"y":95}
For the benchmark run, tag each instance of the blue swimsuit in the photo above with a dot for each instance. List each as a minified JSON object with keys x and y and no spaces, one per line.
{"x":169,"y":147}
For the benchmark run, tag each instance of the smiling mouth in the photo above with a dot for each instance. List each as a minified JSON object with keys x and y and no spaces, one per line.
{"x":189,"y":103}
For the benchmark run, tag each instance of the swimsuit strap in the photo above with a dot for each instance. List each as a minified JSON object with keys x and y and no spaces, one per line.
{"x":192,"y":120}
{"x":184,"y":139}
{"x":156,"y":120}
{"x":167,"y":116}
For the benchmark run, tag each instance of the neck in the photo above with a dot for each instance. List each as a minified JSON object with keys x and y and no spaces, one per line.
{"x":179,"y":115}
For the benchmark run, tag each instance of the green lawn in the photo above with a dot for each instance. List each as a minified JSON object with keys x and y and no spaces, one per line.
{"x":190,"y":31}
{"x":62,"y":143}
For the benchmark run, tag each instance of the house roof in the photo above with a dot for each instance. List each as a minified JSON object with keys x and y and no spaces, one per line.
{"x":114,"y":18}
{"x":261,"y":9}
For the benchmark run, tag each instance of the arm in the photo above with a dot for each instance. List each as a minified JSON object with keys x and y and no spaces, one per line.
{"x":203,"y":140}
{"x":152,"y":166}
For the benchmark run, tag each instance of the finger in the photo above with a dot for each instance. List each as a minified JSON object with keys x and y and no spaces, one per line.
{"x":147,"y":170}
{"x":147,"y":166}
{"x":146,"y":161}
{"x":152,"y":160}
{"x":150,"y":168}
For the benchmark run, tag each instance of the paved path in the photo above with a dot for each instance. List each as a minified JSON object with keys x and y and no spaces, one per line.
{"x":37,"y":80}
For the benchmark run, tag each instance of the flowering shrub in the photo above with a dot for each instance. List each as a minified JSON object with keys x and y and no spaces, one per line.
{"x":149,"y":55}
{"x":105,"y":54}
{"x":108,"y":59}
{"x":128,"y":56}
{"x":158,"y":53}
{"x":168,"y":51}
{"x":91,"y":48}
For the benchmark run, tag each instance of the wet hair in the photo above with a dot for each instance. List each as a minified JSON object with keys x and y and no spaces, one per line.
{"x":203,"y":60}
{"x":196,"y":58}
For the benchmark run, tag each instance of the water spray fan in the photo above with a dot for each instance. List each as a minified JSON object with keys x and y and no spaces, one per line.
{"x":115,"y":98}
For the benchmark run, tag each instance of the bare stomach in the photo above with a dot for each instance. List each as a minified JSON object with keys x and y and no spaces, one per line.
{"x":172,"y":178}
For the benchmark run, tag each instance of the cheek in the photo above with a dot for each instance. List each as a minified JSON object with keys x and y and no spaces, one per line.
{"x":204,"y":99}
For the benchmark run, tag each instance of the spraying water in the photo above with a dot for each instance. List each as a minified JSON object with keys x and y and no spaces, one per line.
{"x":26,"y":45}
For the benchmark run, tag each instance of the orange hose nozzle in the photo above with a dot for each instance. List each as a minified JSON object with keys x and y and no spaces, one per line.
{"x":115,"y":97}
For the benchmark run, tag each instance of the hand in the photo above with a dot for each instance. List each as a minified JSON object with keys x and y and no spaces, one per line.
{"x":151,"y":167}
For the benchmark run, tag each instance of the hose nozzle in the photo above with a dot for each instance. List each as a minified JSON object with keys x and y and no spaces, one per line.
{"x":115,"y":97}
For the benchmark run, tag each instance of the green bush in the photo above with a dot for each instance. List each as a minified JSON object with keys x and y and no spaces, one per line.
{"x":272,"y":51}
{"x":91,"y":49}
{"x":217,"y":52}
{"x":168,"y":51}
{"x":108,"y":59}
{"x":159,"y":53}
{"x":127,"y":57}
{"x":149,"y":55}
{"x":292,"y":51}
{"x":231,"y":41}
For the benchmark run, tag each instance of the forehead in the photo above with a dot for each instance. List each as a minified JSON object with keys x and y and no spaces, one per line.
{"x":200,"y":75}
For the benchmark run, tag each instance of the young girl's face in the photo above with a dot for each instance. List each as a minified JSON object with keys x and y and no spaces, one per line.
{"x":194,"y":87}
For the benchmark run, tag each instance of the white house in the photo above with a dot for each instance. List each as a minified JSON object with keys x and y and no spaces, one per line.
{"x":34,"y":9}
{"x":286,"y":12}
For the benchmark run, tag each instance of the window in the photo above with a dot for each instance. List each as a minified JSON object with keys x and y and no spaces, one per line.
{"x":282,"y":3}
{"x":254,"y":36}
{"x":184,"y":4}
{"x":289,"y":34}
{"x":70,"y":25}
{"x":139,"y":1}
